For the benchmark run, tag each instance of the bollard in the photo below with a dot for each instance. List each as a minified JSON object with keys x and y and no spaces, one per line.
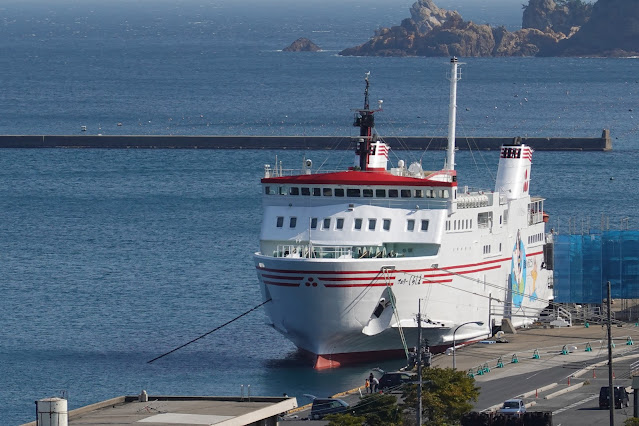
{"x":514,"y":360}
{"x":594,"y":373}
{"x":500,"y":363}
{"x":564,"y":350}
{"x":470,"y":373}
{"x":536,"y":354}
{"x":486,"y":368}
{"x":568,"y":380}
{"x":588,"y":347}
{"x":629,"y":341}
{"x":586,"y":325}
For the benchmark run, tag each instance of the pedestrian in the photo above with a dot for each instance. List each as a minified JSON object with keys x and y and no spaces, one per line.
{"x":375,"y":384}
{"x":368,"y":385}
{"x":370,"y":381}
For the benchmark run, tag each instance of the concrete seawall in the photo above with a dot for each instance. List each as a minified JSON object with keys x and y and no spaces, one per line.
{"x":603,"y":143}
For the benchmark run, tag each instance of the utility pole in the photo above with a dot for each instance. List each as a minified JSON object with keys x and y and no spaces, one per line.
{"x":419,"y":363}
{"x":611,"y":389}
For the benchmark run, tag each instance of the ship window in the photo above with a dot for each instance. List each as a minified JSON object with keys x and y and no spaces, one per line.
{"x":340,"y":223}
{"x":358,"y":224}
{"x":327,"y":192}
{"x":372,"y":223}
{"x":295,"y":191}
{"x":410,"y":225}
{"x":327,"y":223}
{"x":430,"y":193}
{"x":393,"y":193}
{"x":267,"y":190}
{"x":280,"y":221}
{"x":283,"y":190}
{"x":339,"y":192}
{"x":380,"y":193}
{"x":405,"y":193}
{"x":293,"y":222}
{"x":352,"y":192}
{"x":314,"y":223}
{"x":367,"y":193}
{"x":419,"y":193}
{"x":386,"y":224}
{"x":425,"y":225}
{"x":306,"y":191}
{"x":454,"y":225}
{"x":317,"y":192}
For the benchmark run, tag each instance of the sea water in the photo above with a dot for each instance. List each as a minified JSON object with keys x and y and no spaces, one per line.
{"x":110,"y":258}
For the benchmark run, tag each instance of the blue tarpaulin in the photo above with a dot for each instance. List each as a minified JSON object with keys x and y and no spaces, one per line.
{"x":584,"y":263}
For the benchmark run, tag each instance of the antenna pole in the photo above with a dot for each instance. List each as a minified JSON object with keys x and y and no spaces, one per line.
{"x":452,"y":116}
{"x":419,"y":362}
{"x":611,"y":388}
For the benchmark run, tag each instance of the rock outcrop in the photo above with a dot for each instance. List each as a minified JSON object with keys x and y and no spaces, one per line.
{"x":562,"y":16}
{"x":549,"y":28}
{"x":612,"y":30}
{"x":302,"y":45}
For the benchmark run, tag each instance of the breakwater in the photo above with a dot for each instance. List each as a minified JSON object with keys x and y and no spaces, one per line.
{"x":602,"y":143}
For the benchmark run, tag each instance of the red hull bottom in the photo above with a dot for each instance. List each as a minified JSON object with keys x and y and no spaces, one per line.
{"x":325,"y":361}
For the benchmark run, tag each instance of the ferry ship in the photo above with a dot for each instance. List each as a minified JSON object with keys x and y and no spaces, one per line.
{"x":348,"y":259}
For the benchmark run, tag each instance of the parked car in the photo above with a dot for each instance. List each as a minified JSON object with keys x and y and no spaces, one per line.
{"x":393,"y":379}
{"x":513,"y":407}
{"x":324,"y":406}
{"x":621,"y":397}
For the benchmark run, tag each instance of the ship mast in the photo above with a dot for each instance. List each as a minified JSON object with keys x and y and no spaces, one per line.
{"x":452,"y":116}
{"x":365,"y":120}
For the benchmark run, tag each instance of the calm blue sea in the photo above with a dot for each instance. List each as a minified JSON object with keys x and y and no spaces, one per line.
{"x":110,"y":258}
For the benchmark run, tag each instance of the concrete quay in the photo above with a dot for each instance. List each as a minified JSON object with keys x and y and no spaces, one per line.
{"x":540,"y":348}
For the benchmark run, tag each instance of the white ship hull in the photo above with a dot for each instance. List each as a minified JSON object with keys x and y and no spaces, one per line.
{"x":326,"y":306}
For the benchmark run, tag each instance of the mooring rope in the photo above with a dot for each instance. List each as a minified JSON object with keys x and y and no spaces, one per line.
{"x":209,"y":332}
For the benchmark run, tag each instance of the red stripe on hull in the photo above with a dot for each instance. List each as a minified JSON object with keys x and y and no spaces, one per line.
{"x":357,"y":279}
{"x":358,"y":285}
{"x":280,"y":277}
{"x":281,"y":284}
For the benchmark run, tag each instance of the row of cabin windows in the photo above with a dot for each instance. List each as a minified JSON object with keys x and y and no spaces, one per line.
{"x":488,"y":248}
{"x":357,"y":225}
{"x":458,"y":225}
{"x":357,"y":192}
{"x":536,"y":238}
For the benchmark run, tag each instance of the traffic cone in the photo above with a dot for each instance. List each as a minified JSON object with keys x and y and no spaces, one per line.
{"x":536,"y":393}
{"x":594,"y":374}
{"x":568,"y":380}
{"x":613,"y":375}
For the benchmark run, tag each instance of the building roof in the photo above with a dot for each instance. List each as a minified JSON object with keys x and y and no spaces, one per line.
{"x":180,"y":410}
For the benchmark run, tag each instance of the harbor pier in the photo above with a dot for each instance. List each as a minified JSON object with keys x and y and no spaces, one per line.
{"x":602,"y":143}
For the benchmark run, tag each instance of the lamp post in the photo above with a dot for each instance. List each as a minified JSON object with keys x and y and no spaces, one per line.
{"x":480,"y":323}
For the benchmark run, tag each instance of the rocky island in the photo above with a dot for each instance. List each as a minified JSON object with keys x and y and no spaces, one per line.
{"x":302,"y":45}
{"x":549,"y":28}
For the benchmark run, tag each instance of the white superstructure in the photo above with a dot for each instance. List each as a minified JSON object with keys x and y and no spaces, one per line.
{"x":345,"y":256}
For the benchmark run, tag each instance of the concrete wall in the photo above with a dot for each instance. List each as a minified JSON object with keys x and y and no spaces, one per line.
{"x":602,"y":143}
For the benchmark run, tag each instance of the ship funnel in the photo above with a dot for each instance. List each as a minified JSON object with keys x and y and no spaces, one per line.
{"x":513,"y":175}
{"x":377,"y":158}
